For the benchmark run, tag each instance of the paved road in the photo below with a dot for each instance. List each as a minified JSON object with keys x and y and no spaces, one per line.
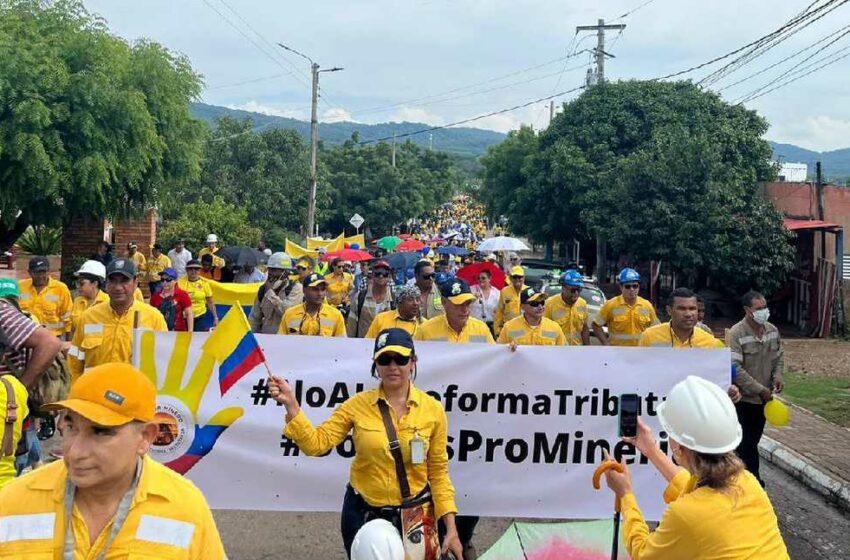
{"x":813,"y":530}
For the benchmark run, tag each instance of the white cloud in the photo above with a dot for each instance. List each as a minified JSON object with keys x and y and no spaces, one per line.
{"x":337,"y":114}
{"x":255,"y":107}
{"x":412,"y":114}
{"x":820,"y":132}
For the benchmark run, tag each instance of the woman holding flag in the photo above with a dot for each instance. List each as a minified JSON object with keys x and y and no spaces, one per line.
{"x":400,"y":470}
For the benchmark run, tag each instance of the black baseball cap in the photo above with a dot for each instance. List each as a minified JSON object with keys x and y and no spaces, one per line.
{"x":39,"y":264}
{"x":456,"y":291}
{"x":124,"y":267}
{"x":157,"y":246}
{"x":194,"y":263}
{"x":313,"y":280}
{"x":530,"y":294}
{"x":393,"y":340}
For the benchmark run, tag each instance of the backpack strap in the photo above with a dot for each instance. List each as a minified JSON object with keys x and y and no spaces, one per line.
{"x":395,"y":450}
{"x":361,"y":299}
{"x":8,"y":449}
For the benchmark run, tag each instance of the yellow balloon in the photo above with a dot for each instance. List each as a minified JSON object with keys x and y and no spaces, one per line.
{"x":777,"y":413}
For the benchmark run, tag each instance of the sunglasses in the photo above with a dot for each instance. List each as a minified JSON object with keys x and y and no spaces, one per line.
{"x":631,"y":286}
{"x":387,"y":359}
{"x":167,"y":280}
{"x":536,"y":303}
{"x":428,"y":276}
{"x":301,"y":268}
{"x":574,"y":290}
{"x":483,"y":278}
{"x":381,"y":274}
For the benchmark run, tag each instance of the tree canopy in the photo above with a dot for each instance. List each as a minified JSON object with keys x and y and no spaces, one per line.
{"x":90,"y":125}
{"x":662,"y":170}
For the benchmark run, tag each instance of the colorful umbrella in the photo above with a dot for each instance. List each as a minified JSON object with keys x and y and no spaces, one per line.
{"x":452,"y":250}
{"x":389,"y":242}
{"x":410,"y":245}
{"x":402,"y":261}
{"x":353,"y":255}
{"x":502,"y":243}
{"x":578,"y":540}
{"x":438,"y":241}
{"x":471,"y":271}
{"x":405,"y":235}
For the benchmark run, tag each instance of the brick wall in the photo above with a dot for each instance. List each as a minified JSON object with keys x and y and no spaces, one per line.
{"x":80,"y":238}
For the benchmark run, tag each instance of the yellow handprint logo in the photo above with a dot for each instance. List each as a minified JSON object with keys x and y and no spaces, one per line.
{"x":182,"y":442}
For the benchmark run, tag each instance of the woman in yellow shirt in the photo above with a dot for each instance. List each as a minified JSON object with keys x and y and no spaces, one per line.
{"x":90,"y":279}
{"x":421,"y":426}
{"x":340,"y":284}
{"x":717,"y":510}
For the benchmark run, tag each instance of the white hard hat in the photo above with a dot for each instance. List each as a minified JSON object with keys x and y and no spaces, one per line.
{"x":267,"y":252}
{"x":212,"y":238}
{"x":95,"y":268}
{"x":700,"y":416}
{"x":377,"y":540}
{"x":279,"y":260}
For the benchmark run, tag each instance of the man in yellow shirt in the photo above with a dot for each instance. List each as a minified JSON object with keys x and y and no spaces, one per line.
{"x":680,"y":331}
{"x":569,"y":309}
{"x":405,"y":316}
{"x":46,"y":298}
{"x":159,"y":262}
{"x":107,"y":497}
{"x":456,"y":325}
{"x":138,"y":258}
{"x":212,"y":249}
{"x":509,"y":304}
{"x":531,"y":327}
{"x":13,"y":411}
{"x":314,"y":317}
{"x":105,"y":333}
{"x":626,"y":315}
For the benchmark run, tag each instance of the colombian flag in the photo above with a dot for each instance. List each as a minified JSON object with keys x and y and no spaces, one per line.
{"x":234,"y":347}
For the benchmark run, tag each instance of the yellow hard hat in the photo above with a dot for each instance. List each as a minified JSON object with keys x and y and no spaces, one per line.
{"x":777,"y":413}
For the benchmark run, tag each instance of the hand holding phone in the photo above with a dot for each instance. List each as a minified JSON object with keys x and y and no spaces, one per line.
{"x":629,"y":410}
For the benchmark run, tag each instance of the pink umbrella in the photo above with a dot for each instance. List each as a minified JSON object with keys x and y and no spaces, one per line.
{"x":410,"y":245}
{"x":471,"y":271}
{"x":353,"y":255}
{"x":438,"y":241}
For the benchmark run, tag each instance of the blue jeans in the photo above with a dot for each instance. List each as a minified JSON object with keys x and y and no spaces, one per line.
{"x":34,"y":452}
{"x":204,"y":322}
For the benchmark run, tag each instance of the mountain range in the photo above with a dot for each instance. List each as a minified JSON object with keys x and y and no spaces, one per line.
{"x":466,"y":144}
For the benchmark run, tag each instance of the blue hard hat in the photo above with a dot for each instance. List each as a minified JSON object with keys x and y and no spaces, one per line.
{"x":628,"y":275}
{"x":572,"y":278}
{"x":442,"y":277}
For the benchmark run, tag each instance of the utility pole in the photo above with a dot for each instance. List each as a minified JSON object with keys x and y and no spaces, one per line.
{"x":598,"y":78}
{"x":393,"y":149}
{"x":551,"y":111}
{"x":314,"y":138}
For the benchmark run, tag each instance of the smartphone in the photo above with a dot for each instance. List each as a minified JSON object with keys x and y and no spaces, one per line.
{"x":629,"y":408}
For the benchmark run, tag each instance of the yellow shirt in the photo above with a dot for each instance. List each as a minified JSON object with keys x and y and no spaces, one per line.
{"x":705,"y":524}
{"x":373,"y":472}
{"x":217,"y":261}
{"x":7,"y":464}
{"x":81,"y":304}
{"x":157,"y":265}
{"x":626,"y":322}
{"x":198,"y":291}
{"x":141,"y":263}
{"x":52,"y":305}
{"x":103,"y":336}
{"x":547,"y":333}
{"x":438,"y":329}
{"x":571,"y":318}
{"x":391,"y":320}
{"x":138,"y":295}
{"x":327,"y":322}
{"x":663,"y":336}
{"x":339,"y":287}
{"x":169,"y":518}
{"x":509,"y":306}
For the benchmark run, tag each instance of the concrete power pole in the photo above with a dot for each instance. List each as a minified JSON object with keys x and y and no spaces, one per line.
{"x":598,"y":78}
{"x":314,"y":148}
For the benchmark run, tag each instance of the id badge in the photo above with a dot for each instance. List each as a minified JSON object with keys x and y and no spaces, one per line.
{"x":417,"y":450}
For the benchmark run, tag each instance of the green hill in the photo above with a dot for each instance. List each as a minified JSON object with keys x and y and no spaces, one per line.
{"x":835,"y":163}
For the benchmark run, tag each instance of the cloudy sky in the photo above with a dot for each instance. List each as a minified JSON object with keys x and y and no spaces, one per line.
{"x":441,"y":61}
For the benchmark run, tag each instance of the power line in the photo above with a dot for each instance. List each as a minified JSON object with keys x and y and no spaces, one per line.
{"x":633,"y":10}
{"x":252,"y":81}
{"x":800,"y":76}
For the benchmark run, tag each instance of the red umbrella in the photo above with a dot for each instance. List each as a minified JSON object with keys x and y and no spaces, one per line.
{"x":404,"y":236}
{"x":408,"y":246}
{"x":353,"y":255}
{"x":471,"y":271}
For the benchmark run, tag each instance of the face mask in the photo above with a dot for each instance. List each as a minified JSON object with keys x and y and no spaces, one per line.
{"x":761,"y":316}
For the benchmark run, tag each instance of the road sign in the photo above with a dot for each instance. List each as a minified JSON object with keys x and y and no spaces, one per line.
{"x":356,"y":220}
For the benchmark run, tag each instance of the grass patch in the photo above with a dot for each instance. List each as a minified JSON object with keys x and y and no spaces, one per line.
{"x":828,"y":397}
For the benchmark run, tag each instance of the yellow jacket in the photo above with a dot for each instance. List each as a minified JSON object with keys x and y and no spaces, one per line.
{"x":662,"y":336}
{"x":217,"y":261}
{"x":547,"y":333}
{"x":81,"y":304}
{"x":157,"y":265}
{"x":7,"y":464}
{"x":626,"y":322}
{"x":571,"y":318}
{"x":103,"y":336}
{"x":438,"y":329}
{"x":52,"y":306}
{"x":509,"y":306}
{"x":169,"y":519}
{"x":327,"y":322}
{"x":391,"y":320}
{"x":339,"y":287}
{"x":141,"y":263}
{"x":373,"y":472}
{"x":705,"y":524}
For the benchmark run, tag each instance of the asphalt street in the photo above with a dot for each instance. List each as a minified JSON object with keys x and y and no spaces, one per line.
{"x":813,"y":529}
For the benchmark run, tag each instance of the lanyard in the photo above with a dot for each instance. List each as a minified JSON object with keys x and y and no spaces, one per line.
{"x":117,"y":522}
{"x":318,"y":322}
{"x":690,"y":338}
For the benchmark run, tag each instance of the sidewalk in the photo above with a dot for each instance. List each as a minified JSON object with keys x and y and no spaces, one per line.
{"x":815,"y":452}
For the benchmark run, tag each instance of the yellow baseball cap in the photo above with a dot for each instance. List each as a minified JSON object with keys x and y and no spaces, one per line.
{"x":111,"y":395}
{"x":518,"y":271}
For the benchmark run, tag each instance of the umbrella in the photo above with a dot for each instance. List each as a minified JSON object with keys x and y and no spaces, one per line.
{"x":438,"y":241}
{"x":242,"y":255}
{"x":389,"y":242}
{"x":353,"y":255}
{"x":502,"y":243}
{"x":403,"y":261}
{"x":410,"y":245}
{"x":452,"y":250}
{"x":405,"y":235}
{"x":576,"y":540}
{"x":471,"y":271}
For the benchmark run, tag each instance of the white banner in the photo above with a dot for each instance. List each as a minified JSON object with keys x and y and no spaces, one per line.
{"x":526,"y":429}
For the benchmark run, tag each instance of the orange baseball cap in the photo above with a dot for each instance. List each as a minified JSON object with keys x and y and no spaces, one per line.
{"x":111,"y":395}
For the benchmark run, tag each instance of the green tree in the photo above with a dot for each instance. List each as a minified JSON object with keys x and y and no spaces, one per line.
{"x":90,"y":126}
{"x":198,"y":218}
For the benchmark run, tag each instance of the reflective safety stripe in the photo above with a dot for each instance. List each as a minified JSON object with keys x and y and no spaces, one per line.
{"x":162,"y":530}
{"x":477,"y":338}
{"x":51,"y":297}
{"x":77,"y":352}
{"x":23,"y":297}
{"x":644,"y":311}
{"x":738,"y":356}
{"x":440,"y":339}
{"x":558,"y":314}
{"x":746,"y":339}
{"x":27,"y":527}
{"x":659,"y":345}
{"x":52,"y":326}
{"x":619,"y":336}
{"x":550,"y":334}
{"x":516,"y":333}
{"x":619,"y":311}
{"x":66,"y":316}
{"x":327,"y":322}
{"x":771,"y":335}
{"x":92,"y":328}
{"x":293,"y":324}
